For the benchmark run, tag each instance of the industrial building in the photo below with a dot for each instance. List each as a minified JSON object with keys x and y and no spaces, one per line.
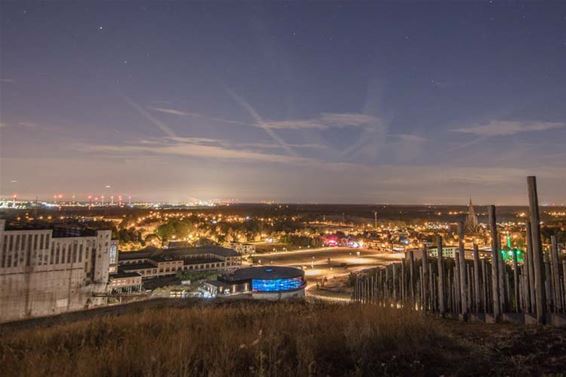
{"x":151,"y":263}
{"x":53,"y":269}
{"x":260,"y":282}
{"x":125,"y":283}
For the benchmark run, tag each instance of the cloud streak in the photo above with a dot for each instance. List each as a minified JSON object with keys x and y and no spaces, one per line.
{"x":260,"y":123}
{"x":171,"y":111}
{"x":194,"y":147}
{"x":196,"y":115}
{"x":508,"y":128}
{"x":146,"y":115}
{"x":324,"y":121}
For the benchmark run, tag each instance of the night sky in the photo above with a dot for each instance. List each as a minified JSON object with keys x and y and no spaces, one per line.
{"x":319,"y":102}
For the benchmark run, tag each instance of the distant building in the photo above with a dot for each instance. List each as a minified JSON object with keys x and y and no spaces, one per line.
{"x":243,"y":248}
{"x":471,"y":225}
{"x":52,"y":270}
{"x":447,"y":252}
{"x":152,"y":263}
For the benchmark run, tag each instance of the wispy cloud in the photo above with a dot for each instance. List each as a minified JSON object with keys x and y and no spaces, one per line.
{"x":260,"y":122}
{"x":171,"y":111}
{"x":194,"y":147}
{"x":19,"y":124}
{"x":507,"y":128}
{"x":146,"y":115}
{"x":324,"y":121}
{"x":408,"y":138}
{"x":277,"y":146}
{"x":181,"y":113}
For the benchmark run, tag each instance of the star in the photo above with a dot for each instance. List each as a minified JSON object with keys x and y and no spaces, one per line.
{"x":100,"y":27}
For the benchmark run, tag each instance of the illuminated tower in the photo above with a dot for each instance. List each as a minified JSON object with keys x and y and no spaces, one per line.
{"x":471,"y":224}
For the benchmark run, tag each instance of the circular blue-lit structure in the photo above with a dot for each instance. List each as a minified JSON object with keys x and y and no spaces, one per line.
{"x":269,"y":282}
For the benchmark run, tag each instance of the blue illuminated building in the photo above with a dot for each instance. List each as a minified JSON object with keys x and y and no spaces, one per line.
{"x":264,"y":282}
{"x":276,"y":285}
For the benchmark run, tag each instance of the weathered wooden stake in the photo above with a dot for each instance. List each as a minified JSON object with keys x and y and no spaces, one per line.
{"x":516,"y":280}
{"x":426,"y":293}
{"x":477,"y":296}
{"x":494,"y":262}
{"x":403,"y":279}
{"x":530,"y":270}
{"x":412,"y":277}
{"x":555,"y":268}
{"x":484,"y":285}
{"x":394,"y":276}
{"x":462,"y":262}
{"x":537,"y":250}
{"x":440,"y":261}
{"x":548,"y":284}
{"x":502,"y":279}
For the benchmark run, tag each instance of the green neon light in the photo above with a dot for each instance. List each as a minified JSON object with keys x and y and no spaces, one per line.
{"x":507,"y":255}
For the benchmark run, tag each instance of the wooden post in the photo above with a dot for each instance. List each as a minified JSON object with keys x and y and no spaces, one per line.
{"x":516,"y":280}
{"x":441,"y":284}
{"x":555,"y":268}
{"x":412,"y":278}
{"x":426,"y":293}
{"x":403,"y":280}
{"x":530,"y":270}
{"x":548,"y":284}
{"x":457,"y":296}
{"x":420,"y":285}
{"x":469,"y":292}
{"x":537,"y":250}
{"x":450,"y":289}
{"x":373,"y":286}
{"x":431,"y":298}
{"x":484,"y":285}
{"x":394,"y":285}
{"x":502,"y":278}
{"x":462,"y":262}
{"x":494,"y":263}
{"x":476,"y":279}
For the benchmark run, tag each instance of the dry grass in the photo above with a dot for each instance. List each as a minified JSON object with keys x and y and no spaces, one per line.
{"x":240,"y":339}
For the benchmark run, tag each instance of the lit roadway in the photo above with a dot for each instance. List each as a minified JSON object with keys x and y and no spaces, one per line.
{"x":330,"y":263}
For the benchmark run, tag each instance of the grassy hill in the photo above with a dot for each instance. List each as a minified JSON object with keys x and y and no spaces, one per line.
{"x":277,"y":339}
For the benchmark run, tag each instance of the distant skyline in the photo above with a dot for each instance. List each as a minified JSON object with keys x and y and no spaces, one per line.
{"x":323,"y":102}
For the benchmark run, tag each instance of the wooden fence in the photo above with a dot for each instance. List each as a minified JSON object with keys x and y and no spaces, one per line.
{"x":478,"y":288}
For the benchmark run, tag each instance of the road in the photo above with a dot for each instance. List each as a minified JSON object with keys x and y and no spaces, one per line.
{"x":331,"y":264}
{"x":328,"y":258}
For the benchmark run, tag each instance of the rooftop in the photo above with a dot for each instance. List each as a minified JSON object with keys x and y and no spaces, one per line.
{"x":59,"y":230}
{"x":122,"y":275}
{"x":263,"y":273}
{"x":137,"y":266}
{"x":178,"y":253}
{"x":192,"y":261}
